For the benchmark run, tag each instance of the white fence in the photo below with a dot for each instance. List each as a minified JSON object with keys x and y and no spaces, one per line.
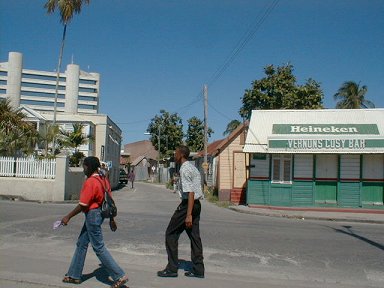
{"x":28,"y":167}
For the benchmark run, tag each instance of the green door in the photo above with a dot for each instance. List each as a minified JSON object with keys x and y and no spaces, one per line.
{"x":373,"y":193}
{"x":325,"y":193}
{"x":326,"y":179}
{"x":349,"y":194}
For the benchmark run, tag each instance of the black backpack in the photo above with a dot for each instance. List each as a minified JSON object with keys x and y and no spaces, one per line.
{"x":108,"y":207}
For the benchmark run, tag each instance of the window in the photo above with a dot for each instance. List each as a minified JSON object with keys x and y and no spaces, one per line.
{"x":43,"y":77}
{"x":87,"y":81}
{"x":282,"y":169}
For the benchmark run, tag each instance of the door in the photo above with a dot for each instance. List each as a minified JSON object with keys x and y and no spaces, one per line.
{"x":239,"y":170}
{"x":326,"y":179}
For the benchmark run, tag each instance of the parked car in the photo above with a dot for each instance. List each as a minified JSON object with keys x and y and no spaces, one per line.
{"x":123,"y":176}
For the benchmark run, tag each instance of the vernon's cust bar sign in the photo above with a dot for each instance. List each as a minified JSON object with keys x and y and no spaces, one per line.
{"x":325,"y":144}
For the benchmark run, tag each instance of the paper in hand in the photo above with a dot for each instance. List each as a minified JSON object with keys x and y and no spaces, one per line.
{"x":57,"y":224}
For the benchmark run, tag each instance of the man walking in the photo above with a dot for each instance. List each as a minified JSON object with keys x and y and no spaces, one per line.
{"x":186,"y":217}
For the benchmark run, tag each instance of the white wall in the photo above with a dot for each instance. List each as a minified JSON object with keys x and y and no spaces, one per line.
{"x":66,"y":185}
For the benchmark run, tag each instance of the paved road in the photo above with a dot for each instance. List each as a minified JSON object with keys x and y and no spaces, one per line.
{"x":240,"y":249}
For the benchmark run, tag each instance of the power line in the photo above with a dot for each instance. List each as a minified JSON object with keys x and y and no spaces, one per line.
{"x":219,"y":112}
{"x":243,"y":42}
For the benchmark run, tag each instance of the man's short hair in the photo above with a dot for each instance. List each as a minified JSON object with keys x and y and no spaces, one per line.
{"x":184,"y":150}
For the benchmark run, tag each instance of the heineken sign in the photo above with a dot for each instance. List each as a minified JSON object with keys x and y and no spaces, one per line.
{"x":333,"y":129}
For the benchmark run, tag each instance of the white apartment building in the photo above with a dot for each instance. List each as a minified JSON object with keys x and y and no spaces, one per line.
{"x":78,"y":91}
{"x":33,"y":92}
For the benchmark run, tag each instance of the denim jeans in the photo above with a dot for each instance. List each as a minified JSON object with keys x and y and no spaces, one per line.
{"x":92,"y":233}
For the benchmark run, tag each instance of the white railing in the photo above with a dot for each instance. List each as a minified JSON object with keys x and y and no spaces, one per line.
{"x":28,"y":167}
{"x":6,"y":166}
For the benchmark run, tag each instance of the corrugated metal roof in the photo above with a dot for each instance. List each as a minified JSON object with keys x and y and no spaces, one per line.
{"x":316,"y":131}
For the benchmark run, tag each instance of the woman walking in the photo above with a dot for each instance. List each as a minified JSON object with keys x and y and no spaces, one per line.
{"x":91,"y":198}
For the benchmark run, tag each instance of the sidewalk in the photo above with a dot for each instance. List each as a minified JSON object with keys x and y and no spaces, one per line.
{"x":313,"y":213}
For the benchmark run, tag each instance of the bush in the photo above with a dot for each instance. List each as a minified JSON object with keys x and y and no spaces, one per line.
{"x":74,"y":160}
{"x":212,"y":195}
{"x":169,"y":184}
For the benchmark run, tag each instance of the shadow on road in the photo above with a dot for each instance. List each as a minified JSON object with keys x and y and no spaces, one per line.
{"x":348,"y":231}
{"x":185,"y":265}
{"x":101,"y":275}
{"x":119,"y":187}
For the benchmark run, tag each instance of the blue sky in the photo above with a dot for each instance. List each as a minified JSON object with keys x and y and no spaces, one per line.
{"x":158,"y":54}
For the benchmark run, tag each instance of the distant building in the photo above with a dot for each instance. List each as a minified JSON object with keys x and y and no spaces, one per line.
{"x":78,"y":91}
{"x":142,"y":156}
{"x":33,"y":92}
{"x":227,"y":165}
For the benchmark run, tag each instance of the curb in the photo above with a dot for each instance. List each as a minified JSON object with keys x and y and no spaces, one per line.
{"x":301,"y":217}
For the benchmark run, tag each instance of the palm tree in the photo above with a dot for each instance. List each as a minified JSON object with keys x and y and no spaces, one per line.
{"x":16,"y":134}
{"x":73,"y":140}
{"x":67,"y":10}
{"x":351,"y":96}
{"x":231,"y":127}
{"x":47,"y":136}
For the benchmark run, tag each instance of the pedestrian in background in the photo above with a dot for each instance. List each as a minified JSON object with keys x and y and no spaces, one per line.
{"x":104,"y":170}
{"x":131,"y":177}
{"x":176,"y":182}
{"x":185,"y":218}
{"x":91,"y":198}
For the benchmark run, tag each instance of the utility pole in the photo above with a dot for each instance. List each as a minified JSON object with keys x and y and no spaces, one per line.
{"x":205,"y":164}
{"x":158,"y":161}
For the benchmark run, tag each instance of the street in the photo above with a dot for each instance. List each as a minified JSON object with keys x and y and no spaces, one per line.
{"x":240,"y":250}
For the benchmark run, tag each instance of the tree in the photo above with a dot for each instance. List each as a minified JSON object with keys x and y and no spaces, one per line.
{"x":167,"y":130}
{"x":231,"y":127}
{"x":73,"y":140}
{"x":47,"y":135}
{"x":17,"y":136}
{"x":67,"y":10}
{"x":278,"y":90}
{"x":351,"y":96}
{"x":195,"y":134}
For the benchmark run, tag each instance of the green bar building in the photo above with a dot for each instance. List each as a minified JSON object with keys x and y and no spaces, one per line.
{"x":316,"y":158}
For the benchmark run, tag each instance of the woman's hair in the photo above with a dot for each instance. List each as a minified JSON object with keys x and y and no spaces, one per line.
{"x":184,"y":150}
{"x":92,"y":163}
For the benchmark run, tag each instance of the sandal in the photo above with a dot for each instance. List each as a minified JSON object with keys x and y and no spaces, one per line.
{"x":119,"y":283}
{"x":71,"y":280}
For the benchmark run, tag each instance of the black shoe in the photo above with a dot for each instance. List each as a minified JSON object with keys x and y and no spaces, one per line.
{"x":193,"y":274}
{"x":166,"y":273}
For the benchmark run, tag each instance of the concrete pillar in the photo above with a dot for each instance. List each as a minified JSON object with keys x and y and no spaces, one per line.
{"x":62,"y":164}
{"x":15,"y":67}
{"x":72,"y":88}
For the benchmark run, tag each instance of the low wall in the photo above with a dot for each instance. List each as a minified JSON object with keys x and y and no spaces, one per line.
{"x":29,"y":189}
{"x":66,"y":185}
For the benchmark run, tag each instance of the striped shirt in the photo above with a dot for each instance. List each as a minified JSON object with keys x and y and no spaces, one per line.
{"x":190,"y":181}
